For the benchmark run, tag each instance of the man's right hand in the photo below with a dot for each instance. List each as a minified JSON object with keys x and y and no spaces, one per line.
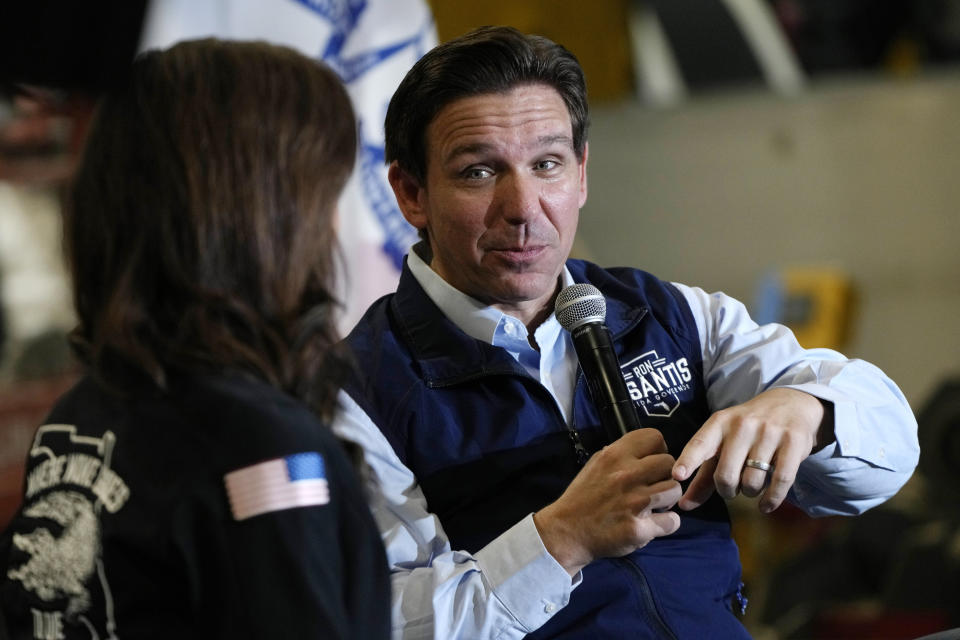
{"x":613,"y":505}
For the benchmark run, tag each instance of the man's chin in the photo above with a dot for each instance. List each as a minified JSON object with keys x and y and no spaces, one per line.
{"x":519,"y":288}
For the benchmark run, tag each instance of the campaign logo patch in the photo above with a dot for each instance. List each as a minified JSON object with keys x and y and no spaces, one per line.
{"x":656,"y":383}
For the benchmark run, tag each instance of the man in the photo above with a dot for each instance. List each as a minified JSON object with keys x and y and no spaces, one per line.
{"x":498,"y":520}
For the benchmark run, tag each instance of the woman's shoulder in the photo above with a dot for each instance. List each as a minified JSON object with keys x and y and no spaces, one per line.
{"x":250,"y":414}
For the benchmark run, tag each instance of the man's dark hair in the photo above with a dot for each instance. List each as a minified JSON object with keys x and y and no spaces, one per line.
{"x":199,"y":231}
{"x":486,"y":60}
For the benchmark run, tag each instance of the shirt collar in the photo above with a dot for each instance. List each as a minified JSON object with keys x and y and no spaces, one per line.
{"x":477,"y":319}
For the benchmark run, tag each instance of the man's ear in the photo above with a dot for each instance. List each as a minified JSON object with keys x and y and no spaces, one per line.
{"x":583,"y":174}
{"x":407,"y":190}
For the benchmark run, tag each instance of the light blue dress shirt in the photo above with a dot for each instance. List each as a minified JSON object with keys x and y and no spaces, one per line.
{"x":513,"y":586}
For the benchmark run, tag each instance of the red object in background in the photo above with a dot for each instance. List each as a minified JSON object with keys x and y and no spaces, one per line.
{"x":851,"y":623}
{"x":23,"y":406}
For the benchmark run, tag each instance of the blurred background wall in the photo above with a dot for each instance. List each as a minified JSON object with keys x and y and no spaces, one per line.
{"x":801,"y":155}
{"x":857,"y":169}
{"x":857,"y":173}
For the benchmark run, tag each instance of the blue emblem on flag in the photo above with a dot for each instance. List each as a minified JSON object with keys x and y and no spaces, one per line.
{"x":398,"y":232}
{"x":344,"y":16}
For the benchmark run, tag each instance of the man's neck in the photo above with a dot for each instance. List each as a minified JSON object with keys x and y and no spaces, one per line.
{"x":532,"y":317}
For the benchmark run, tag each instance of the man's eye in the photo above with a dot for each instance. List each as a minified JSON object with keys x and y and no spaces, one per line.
{"x":477,"y":173}
{"x":545,"y":165}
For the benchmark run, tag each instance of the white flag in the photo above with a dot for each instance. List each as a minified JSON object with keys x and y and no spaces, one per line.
{"x":371,"y":44}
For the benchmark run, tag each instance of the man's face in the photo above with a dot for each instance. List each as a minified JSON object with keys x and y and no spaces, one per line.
{"x":501,"y":198}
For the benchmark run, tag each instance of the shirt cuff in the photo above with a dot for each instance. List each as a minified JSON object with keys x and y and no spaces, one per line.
{"x":847,"y":431}
{"x":526,"y":579}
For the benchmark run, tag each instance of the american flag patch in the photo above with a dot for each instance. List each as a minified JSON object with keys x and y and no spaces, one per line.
{"x":297,"y":480}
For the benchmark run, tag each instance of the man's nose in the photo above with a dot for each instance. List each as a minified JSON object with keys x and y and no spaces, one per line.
{"x":519,"y":198}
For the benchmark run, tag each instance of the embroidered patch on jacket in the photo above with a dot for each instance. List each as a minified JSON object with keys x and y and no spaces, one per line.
{"x":69,"y":485}
{"x":655,"y":383}
{"x":298,"y":480}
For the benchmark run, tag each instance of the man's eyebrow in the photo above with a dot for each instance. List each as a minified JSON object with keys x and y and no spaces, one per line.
{"x":467,"y":149}
{"x":483,"y":147}
{"x":561,"y":139}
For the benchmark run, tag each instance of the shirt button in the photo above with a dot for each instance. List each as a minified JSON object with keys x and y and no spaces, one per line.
{"x":550,"y":607}
{"x":510,"y":329}
{"x":882,"y":452}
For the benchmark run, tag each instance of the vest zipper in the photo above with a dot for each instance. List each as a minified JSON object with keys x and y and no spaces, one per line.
{"x":579,"y":450}
{"x":650,"y":606}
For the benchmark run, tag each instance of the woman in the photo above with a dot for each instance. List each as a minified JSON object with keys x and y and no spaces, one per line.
{"x":186,"y":486}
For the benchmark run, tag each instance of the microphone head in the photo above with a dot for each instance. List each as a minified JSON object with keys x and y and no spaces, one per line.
{"x":579,"y":304}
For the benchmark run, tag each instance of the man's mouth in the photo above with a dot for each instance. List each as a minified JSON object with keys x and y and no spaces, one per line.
{"x":519,"y":254}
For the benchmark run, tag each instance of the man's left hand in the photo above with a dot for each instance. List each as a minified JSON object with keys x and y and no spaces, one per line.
{"x":779,"y":428}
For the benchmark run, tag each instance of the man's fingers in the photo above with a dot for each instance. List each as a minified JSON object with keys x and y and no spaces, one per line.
{"x":702,"y":446}
{"x":663,"y":495}
{"x":700,"y":488}
{"x":662,"y":524}
{"x":753,"y":480}
{"x":648,"y":471}
{"x":778,"y":427}
{"x":782,"y":477}
{"x":640,"y":443}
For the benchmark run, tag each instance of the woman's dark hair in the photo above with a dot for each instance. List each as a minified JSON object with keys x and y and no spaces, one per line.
{"x":486,"y":60}
{"x":200,"y":228}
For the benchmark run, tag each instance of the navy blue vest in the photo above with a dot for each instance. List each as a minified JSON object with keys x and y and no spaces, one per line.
{"x":489,"y":445}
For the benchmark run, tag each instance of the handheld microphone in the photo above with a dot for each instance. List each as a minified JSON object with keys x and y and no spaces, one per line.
{"x":581,"y":310}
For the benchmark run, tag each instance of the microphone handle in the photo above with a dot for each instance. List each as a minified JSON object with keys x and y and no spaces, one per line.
{"x":601,"y":368}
